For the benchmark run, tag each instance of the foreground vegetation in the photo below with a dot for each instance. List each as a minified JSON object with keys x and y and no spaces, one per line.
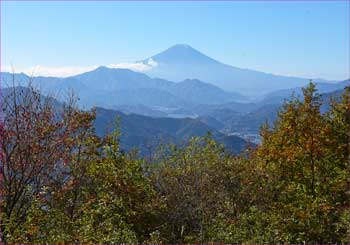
{"x":60,"y":183}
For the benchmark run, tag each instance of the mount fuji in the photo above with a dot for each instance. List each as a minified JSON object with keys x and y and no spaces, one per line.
{"x":181,"y":62}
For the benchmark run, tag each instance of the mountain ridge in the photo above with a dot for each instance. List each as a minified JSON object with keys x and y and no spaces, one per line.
{"x":101,"y":86}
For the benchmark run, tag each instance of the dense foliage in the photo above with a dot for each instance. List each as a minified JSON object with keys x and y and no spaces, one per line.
{"x":61,"y":183}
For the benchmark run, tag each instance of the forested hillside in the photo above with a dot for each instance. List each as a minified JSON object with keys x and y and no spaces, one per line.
{"x":61,"y":182}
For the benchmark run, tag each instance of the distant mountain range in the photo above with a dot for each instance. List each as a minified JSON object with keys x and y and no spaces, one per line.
{"x":246,"y":118}
{"x":181,"y":63}
{"x":123,"y":88}
{"x":205,"y":95}
{"x":110,"y":88}
{"x":280,"y":95}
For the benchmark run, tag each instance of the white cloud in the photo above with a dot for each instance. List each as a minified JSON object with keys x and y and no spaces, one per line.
{"x":137,"y":66}
{"x":50,"y":71}
{"x":152,"y":62}
{"x":74,"y":70}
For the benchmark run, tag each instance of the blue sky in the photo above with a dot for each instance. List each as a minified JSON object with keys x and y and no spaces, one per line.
{"x":309,"y":39}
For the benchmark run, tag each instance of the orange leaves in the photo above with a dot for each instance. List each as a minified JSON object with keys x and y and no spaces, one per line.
{"x":36,"y":148}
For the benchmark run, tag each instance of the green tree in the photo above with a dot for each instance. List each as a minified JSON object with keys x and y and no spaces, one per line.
{"x":296,"y":183}
{"x":193,"y":183}
{"x":304,"y":169}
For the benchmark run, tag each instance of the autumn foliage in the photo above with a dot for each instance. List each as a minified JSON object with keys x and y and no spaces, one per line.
{"x":61,"y":183}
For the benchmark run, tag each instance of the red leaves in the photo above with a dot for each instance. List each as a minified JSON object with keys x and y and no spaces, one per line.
{"x":36,"y":146}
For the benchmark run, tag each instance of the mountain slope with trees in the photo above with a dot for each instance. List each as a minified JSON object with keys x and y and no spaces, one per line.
{"x":62,"y":183}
